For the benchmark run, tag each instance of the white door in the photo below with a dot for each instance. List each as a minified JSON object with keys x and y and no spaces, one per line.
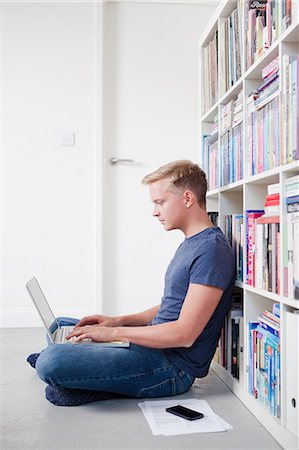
{"x":151,"y":117}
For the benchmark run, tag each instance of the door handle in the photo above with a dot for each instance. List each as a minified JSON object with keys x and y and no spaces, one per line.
{"x":114,"y":161}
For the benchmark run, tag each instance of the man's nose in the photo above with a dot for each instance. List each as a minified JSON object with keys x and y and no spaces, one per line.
{"x":155,"y":212}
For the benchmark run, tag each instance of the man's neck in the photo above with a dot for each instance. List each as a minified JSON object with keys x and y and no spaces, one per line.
{"x":194,"y":227}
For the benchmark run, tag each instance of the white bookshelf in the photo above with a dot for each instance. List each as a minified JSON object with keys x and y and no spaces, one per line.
{"x":250,"y":193}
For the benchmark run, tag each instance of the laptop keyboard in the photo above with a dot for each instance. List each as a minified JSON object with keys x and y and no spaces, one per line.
{"x":61,"y":333}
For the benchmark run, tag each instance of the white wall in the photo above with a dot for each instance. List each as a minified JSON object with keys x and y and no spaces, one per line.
{"x":49,"y":85}
{"x":51,"y":82}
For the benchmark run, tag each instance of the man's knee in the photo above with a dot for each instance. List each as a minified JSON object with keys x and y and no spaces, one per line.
{"x":48,"y":365}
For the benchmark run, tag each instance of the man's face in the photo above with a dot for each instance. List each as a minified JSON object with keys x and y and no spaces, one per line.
{"x":169,"y":208}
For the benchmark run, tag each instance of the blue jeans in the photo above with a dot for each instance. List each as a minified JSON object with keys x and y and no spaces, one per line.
{"x":133,"y":371}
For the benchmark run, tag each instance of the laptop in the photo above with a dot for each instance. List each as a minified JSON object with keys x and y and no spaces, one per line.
{"x":57,"y":334}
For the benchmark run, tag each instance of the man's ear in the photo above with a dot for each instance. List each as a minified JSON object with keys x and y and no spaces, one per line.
{"x":189,"y":198}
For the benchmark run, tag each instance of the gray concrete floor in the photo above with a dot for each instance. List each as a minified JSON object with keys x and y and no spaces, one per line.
{"x":29,"y":421}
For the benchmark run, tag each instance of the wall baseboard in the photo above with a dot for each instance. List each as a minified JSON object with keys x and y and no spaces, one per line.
{"x":31,"y":319}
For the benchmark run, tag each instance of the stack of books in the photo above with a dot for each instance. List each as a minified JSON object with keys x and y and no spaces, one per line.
{"x":270,"y":84}
{"x":227,"y":116}
{"x":267,"y":244}
{"x":232,"y":113}
{"x":264,"y":122}
{"x":238,"y":110}
{"x":215,"y":126}
{"x":264,"y":359}
{"x":291,"y":252}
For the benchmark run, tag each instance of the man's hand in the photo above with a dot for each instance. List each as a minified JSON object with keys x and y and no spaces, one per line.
{"x":96,"y":333}
{"x":97,"y":319}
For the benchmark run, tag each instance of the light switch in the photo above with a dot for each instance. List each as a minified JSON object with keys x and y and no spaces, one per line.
{"x":66,"y":139}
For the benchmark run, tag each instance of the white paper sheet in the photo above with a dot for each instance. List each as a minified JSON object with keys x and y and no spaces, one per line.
{"x":161,"y":422}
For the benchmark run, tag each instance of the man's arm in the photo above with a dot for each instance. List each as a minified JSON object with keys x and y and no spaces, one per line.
{"x":133,"y":320}
{"x":141,"y":318}
{"x":198,"y":307}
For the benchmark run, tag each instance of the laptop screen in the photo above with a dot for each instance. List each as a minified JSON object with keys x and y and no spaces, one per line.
{"x":42,"y":306}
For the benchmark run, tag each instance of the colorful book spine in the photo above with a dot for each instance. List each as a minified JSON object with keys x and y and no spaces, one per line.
{"x":251,"y":218}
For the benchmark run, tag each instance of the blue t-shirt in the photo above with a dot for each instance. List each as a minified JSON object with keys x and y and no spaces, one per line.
{"x":205,"y":258}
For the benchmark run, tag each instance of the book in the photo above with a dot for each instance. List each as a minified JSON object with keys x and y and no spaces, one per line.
{"x":292,"y":199}
{"x":293,"y":207}
{"x":251,"y":217}
{"x":273,"y":189}
{"x":292,"y":180}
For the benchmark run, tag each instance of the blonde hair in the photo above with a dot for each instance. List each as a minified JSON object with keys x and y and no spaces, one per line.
{"x":181,"y":175}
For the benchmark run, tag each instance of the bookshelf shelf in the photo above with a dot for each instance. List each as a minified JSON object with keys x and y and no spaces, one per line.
{"x":263,"y":174}
{"x":268,"y":177}
{"x":209,"y":116}
{"x":291,"y":34}
{"x":290,"y":302}
{"x":291,"y":167}
{"x":263,"y":293}
{"x":212,"y":194}
{"x":239,"y":284}
{"x":232,"y":92}
{"x":267,"y":100}
{"x":254,"y":71}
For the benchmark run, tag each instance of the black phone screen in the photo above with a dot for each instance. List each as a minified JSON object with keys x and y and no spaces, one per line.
{"x":185,"y":413}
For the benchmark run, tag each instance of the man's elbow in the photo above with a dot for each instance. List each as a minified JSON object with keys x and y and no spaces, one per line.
{"x":188,"y":339}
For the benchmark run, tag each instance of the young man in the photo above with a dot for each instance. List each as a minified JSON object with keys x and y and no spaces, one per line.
{"x":171,"y":343}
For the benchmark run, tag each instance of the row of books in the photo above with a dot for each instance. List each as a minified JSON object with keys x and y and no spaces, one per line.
{"x":265,"y":20}
{"x":230,"y":45}
{"x":272,"y":127}
{"x":233,"y":230}
{"x":263,"y":23}
{"x":263,"y":236}
{"x":289,"y":108}
{"x":264,"y":138}
{"x":267,"y":254}
{"x":230,"y":352}
{"x":263,"y":129}
{"x":232,"y":113}
{"x":264,"y":359}
{"x":231,"y":156}
{"x":263,"y":243}
{"x":291,"y":250}
{"x":209,"y":74}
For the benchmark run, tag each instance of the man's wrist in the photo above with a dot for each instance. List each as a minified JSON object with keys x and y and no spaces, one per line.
{"x":120,"y":321}
{"x":117,"y":334}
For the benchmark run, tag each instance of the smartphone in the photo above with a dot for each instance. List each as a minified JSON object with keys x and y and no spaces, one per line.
{"x":185,"y":413}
